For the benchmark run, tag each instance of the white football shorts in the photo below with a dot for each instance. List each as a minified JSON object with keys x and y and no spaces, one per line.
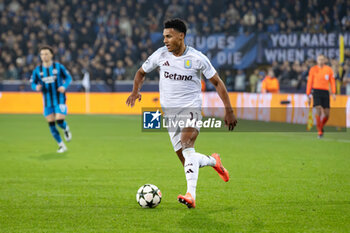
{"x":177,"y":120}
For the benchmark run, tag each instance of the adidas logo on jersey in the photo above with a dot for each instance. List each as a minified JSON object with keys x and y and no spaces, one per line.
{"x":177,"y":76}
{"x":166,"y":64}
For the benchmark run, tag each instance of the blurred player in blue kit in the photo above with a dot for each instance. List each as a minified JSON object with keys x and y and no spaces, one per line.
{"x":52,"y":79}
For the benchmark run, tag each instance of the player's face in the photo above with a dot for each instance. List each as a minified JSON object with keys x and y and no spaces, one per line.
{"x":45,"y":55}
{"x":321,"y":60}
{"x":172,"y":39}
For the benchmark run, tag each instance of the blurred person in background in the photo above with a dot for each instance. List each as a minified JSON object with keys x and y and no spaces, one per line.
{"x":320,"y":77}
{"x":253,"y":81}
{"x":109,"y":78}
{"x":12,"y":72}
{"x":119,"y":71}
{"x":285,"y":73}
{"x":230,"y":80}
{"x":304,"y":72}
{"x":130,"y":68}
{"x":346,"y":79}
{"x":52,"y":79}
{"x":240,"y":80}
{"x":276,"y":69}
{"x":2,"y":75}
{"x":295,"y":74}
{"x":270,"y":84}
{"x":337,"y":76}
{"x":259,"y":83}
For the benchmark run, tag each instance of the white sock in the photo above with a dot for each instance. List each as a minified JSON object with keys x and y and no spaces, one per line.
{"x":205,"y":160}
{"x":62,"y":144}
{"x":191,"y":170}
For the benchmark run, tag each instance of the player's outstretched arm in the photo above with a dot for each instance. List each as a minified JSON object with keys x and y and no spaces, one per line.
{"x":230,"y":119}
{"x":135,"y":94}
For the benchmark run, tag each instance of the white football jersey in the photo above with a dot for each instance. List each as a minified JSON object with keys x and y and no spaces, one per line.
{"x":180,"y":77}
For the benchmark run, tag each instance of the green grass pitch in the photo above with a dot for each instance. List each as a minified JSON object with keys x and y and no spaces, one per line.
{"x":280,"y":182}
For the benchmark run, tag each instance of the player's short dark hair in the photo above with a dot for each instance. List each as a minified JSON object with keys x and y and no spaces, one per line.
{"x":178,"y":24}
{"x":48,"y":47}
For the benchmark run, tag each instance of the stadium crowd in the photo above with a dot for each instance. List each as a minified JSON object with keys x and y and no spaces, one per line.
{"x":289,"y":75}
{"x":111,"y":39}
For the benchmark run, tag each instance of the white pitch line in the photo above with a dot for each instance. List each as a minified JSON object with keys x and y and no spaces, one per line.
{"x":323,"y":139}
{"x":335,"y":140}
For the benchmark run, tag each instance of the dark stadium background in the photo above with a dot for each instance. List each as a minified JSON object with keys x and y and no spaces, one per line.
{"x":111,"y":39}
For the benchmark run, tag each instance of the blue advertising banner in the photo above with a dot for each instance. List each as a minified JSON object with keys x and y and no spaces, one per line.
{"x":298,"y":47}
{"x":224,"y":51}
{"x":244,"y":51}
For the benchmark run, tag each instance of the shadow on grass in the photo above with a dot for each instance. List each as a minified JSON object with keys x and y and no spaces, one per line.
{"x":52,"y":156}
{"x":217,"y":220}
{"x":198,"y":220}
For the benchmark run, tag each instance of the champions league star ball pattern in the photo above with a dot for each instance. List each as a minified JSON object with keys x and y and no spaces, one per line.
{"x":148,"y":196}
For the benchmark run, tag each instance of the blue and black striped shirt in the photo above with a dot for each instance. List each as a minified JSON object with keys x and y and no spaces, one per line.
{"x":51,"y":78}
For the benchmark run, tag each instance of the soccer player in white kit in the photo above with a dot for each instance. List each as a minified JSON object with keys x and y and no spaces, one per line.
{"x":180,"y":69}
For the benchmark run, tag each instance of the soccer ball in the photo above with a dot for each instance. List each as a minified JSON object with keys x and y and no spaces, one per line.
{"x":148,"y":196}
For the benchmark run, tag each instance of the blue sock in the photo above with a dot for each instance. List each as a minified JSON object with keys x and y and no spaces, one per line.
{"x":55,"y":132}
{"x":62,"y":124}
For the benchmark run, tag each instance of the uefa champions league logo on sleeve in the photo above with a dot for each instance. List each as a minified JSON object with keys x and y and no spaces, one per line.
{"x":152,"y":120}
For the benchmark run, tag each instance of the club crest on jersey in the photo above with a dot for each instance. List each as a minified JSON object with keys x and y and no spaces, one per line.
{"x":54,"y":71}
{"x":188,"y":64}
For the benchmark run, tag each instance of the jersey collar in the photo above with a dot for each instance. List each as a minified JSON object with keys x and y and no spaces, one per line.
{"x":185,"y":51}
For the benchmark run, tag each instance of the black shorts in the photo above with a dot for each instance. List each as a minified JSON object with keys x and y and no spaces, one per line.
{"x":321,"y":97}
